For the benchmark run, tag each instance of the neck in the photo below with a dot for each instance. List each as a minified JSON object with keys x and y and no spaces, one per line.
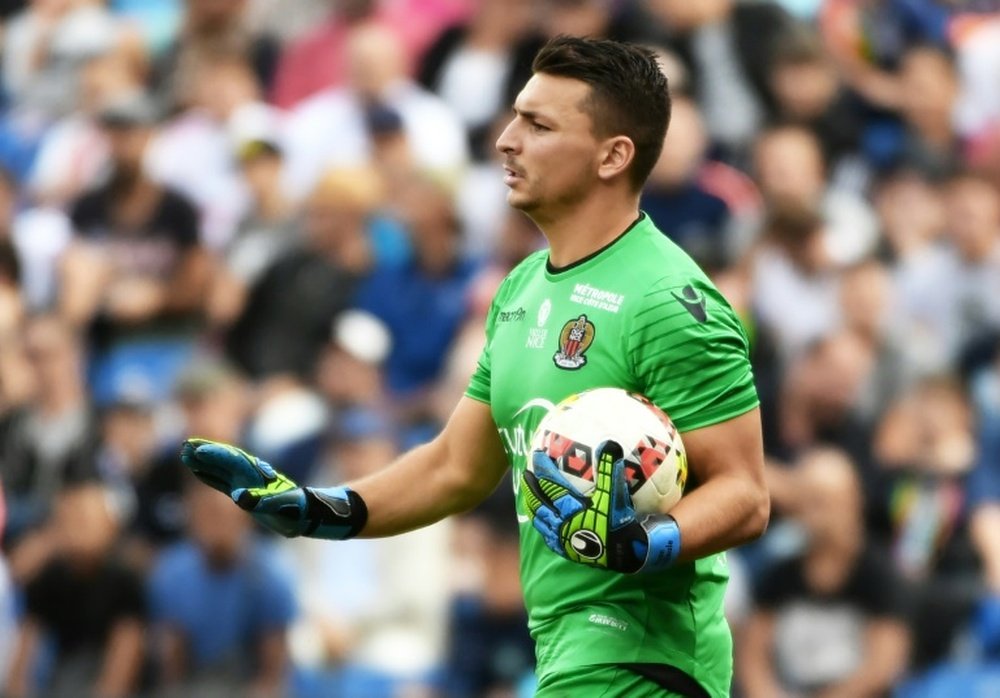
{"x":586,"y":228}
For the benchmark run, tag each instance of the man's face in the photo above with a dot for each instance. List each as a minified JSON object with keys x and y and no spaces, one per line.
{"x":551,"y":154}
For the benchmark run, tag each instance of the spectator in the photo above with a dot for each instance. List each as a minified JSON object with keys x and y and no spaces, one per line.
{"x":831,"y":620}
{"x":208,"y":28}
{"x":705,"y":206}
{"x":911,"y":210}
{"x":727,"y":47}
{"x":929,"y":91}
{"x":270,"y":226}
{"x":51,"y":440}
{"x":330,"y":128}
{"x":73,"y":154}
{"x":88,"y":602}
{"x":924,"y":447}
{"x":789,"y":166}
{"x":423,"y":302}
{"x":795,"y":285}
{"x":225,"y":635}
{"x":192,"y":152}
{"x":135,"y":274}
{"x":289,"y":311}
{"x":808,"y":92}
{"x":45,"y":46}
{"x":380,"y":630}
{"x":490,"y":651}
{"x":474,"y":66}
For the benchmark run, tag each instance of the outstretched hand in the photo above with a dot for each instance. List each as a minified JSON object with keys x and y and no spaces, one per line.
{"x":273,"y":499}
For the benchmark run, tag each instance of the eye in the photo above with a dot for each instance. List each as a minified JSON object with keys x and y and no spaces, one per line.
{"x":535,"y":126}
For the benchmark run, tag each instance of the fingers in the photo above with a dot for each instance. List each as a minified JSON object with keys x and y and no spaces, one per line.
{"x":608,"y":454}
{"x":225,"y":467}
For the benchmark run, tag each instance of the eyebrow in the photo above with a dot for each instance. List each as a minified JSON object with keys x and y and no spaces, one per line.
{"x":527,"y":114}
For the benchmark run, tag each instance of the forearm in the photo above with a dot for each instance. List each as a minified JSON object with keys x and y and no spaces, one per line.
{"x":724,"y":512}
{"x":122,"y":659}
{"x":418,"y":489}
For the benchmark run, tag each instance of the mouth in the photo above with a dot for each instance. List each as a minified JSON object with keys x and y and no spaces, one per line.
{"x":511,"y":176}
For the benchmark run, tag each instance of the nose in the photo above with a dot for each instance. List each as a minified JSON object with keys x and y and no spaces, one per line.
{"x":506,"y":142}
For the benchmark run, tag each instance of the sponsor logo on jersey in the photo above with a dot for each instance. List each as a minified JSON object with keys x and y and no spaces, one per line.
{"x":517,"y":443}
{"x":608,"y":621}
{"x":587,"y":295}
{"x":512,"y":315}
{"x":693,"y":301}
{"x":575,"y":338}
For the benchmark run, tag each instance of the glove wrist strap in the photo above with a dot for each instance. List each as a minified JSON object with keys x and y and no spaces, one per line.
{"x":664,"y":548}
{"x":334,"y":513}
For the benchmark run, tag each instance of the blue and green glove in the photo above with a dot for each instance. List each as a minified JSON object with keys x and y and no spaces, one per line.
{"x":274,"y":500}
{"x":600,"y":530}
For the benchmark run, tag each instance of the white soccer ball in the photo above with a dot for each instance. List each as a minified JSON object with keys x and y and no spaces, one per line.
{"x":655,"y":461}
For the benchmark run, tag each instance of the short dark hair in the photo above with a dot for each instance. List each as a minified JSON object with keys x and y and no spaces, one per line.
{"x":629,"y":93}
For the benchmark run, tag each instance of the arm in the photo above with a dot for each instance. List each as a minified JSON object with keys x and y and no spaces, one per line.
{"x":122,"y":659}
{"x":731,"y":505}
{"x":19,"y":680}
{"x":887,"y":645}
{"x":272,"y":661}
{"x":753,"y":659}
{"x":172,"y":656}
{"x":452,"y":473}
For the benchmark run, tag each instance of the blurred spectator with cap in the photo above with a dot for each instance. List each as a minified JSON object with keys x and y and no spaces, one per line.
{"x":270,"y":226}
{"x":225,"y":635}
{"x":135,"y":274}
{"x":85,"y":600}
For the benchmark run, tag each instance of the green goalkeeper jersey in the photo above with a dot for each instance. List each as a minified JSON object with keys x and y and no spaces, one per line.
{"x":638,"y":314}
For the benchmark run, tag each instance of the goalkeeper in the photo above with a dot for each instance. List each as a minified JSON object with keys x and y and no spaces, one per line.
{"x":618,"y":605}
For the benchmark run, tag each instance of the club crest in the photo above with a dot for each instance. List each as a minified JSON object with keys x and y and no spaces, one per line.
{"x":575,"y":338}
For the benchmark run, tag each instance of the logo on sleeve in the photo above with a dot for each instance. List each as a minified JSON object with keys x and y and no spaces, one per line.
{"x":575,"y":338}
{"x":693,"y":301}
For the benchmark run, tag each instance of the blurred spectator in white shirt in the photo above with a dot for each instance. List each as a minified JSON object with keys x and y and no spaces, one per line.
{"x":329,"y":129}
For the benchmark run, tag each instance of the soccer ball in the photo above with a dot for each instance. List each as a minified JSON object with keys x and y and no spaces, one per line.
{"x":655,"y":462}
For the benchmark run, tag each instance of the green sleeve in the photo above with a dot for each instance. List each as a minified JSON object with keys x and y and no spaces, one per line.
{"x":690,"y":354}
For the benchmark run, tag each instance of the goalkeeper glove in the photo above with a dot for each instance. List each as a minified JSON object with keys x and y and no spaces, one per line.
{"x":601,"y":530}
{"x":274,"y":500}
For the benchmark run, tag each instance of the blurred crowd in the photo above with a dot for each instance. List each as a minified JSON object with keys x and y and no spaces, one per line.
{"x":280,"y":224}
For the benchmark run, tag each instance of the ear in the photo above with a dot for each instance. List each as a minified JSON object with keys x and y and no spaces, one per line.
{"x":616,"y":155}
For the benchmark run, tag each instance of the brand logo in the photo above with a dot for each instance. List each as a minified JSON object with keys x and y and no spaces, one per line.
{"x":511,"y":315}
{"x":575,"y":338}
{"x":693,"y":301}
{"x":591,"y":297}
{"x":587,"y":544}
{"x":601,"y":619}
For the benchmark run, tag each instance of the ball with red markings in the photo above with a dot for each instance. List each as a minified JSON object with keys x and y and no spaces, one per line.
{"x":655,"y":462}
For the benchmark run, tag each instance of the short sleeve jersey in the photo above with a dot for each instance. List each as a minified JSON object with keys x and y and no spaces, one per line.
{"x":638,"y":314}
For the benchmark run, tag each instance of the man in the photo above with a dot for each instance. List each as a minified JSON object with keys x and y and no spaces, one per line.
{"x":585,"y":133}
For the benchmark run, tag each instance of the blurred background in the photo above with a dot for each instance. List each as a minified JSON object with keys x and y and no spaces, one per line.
{"x":280,"y":223}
